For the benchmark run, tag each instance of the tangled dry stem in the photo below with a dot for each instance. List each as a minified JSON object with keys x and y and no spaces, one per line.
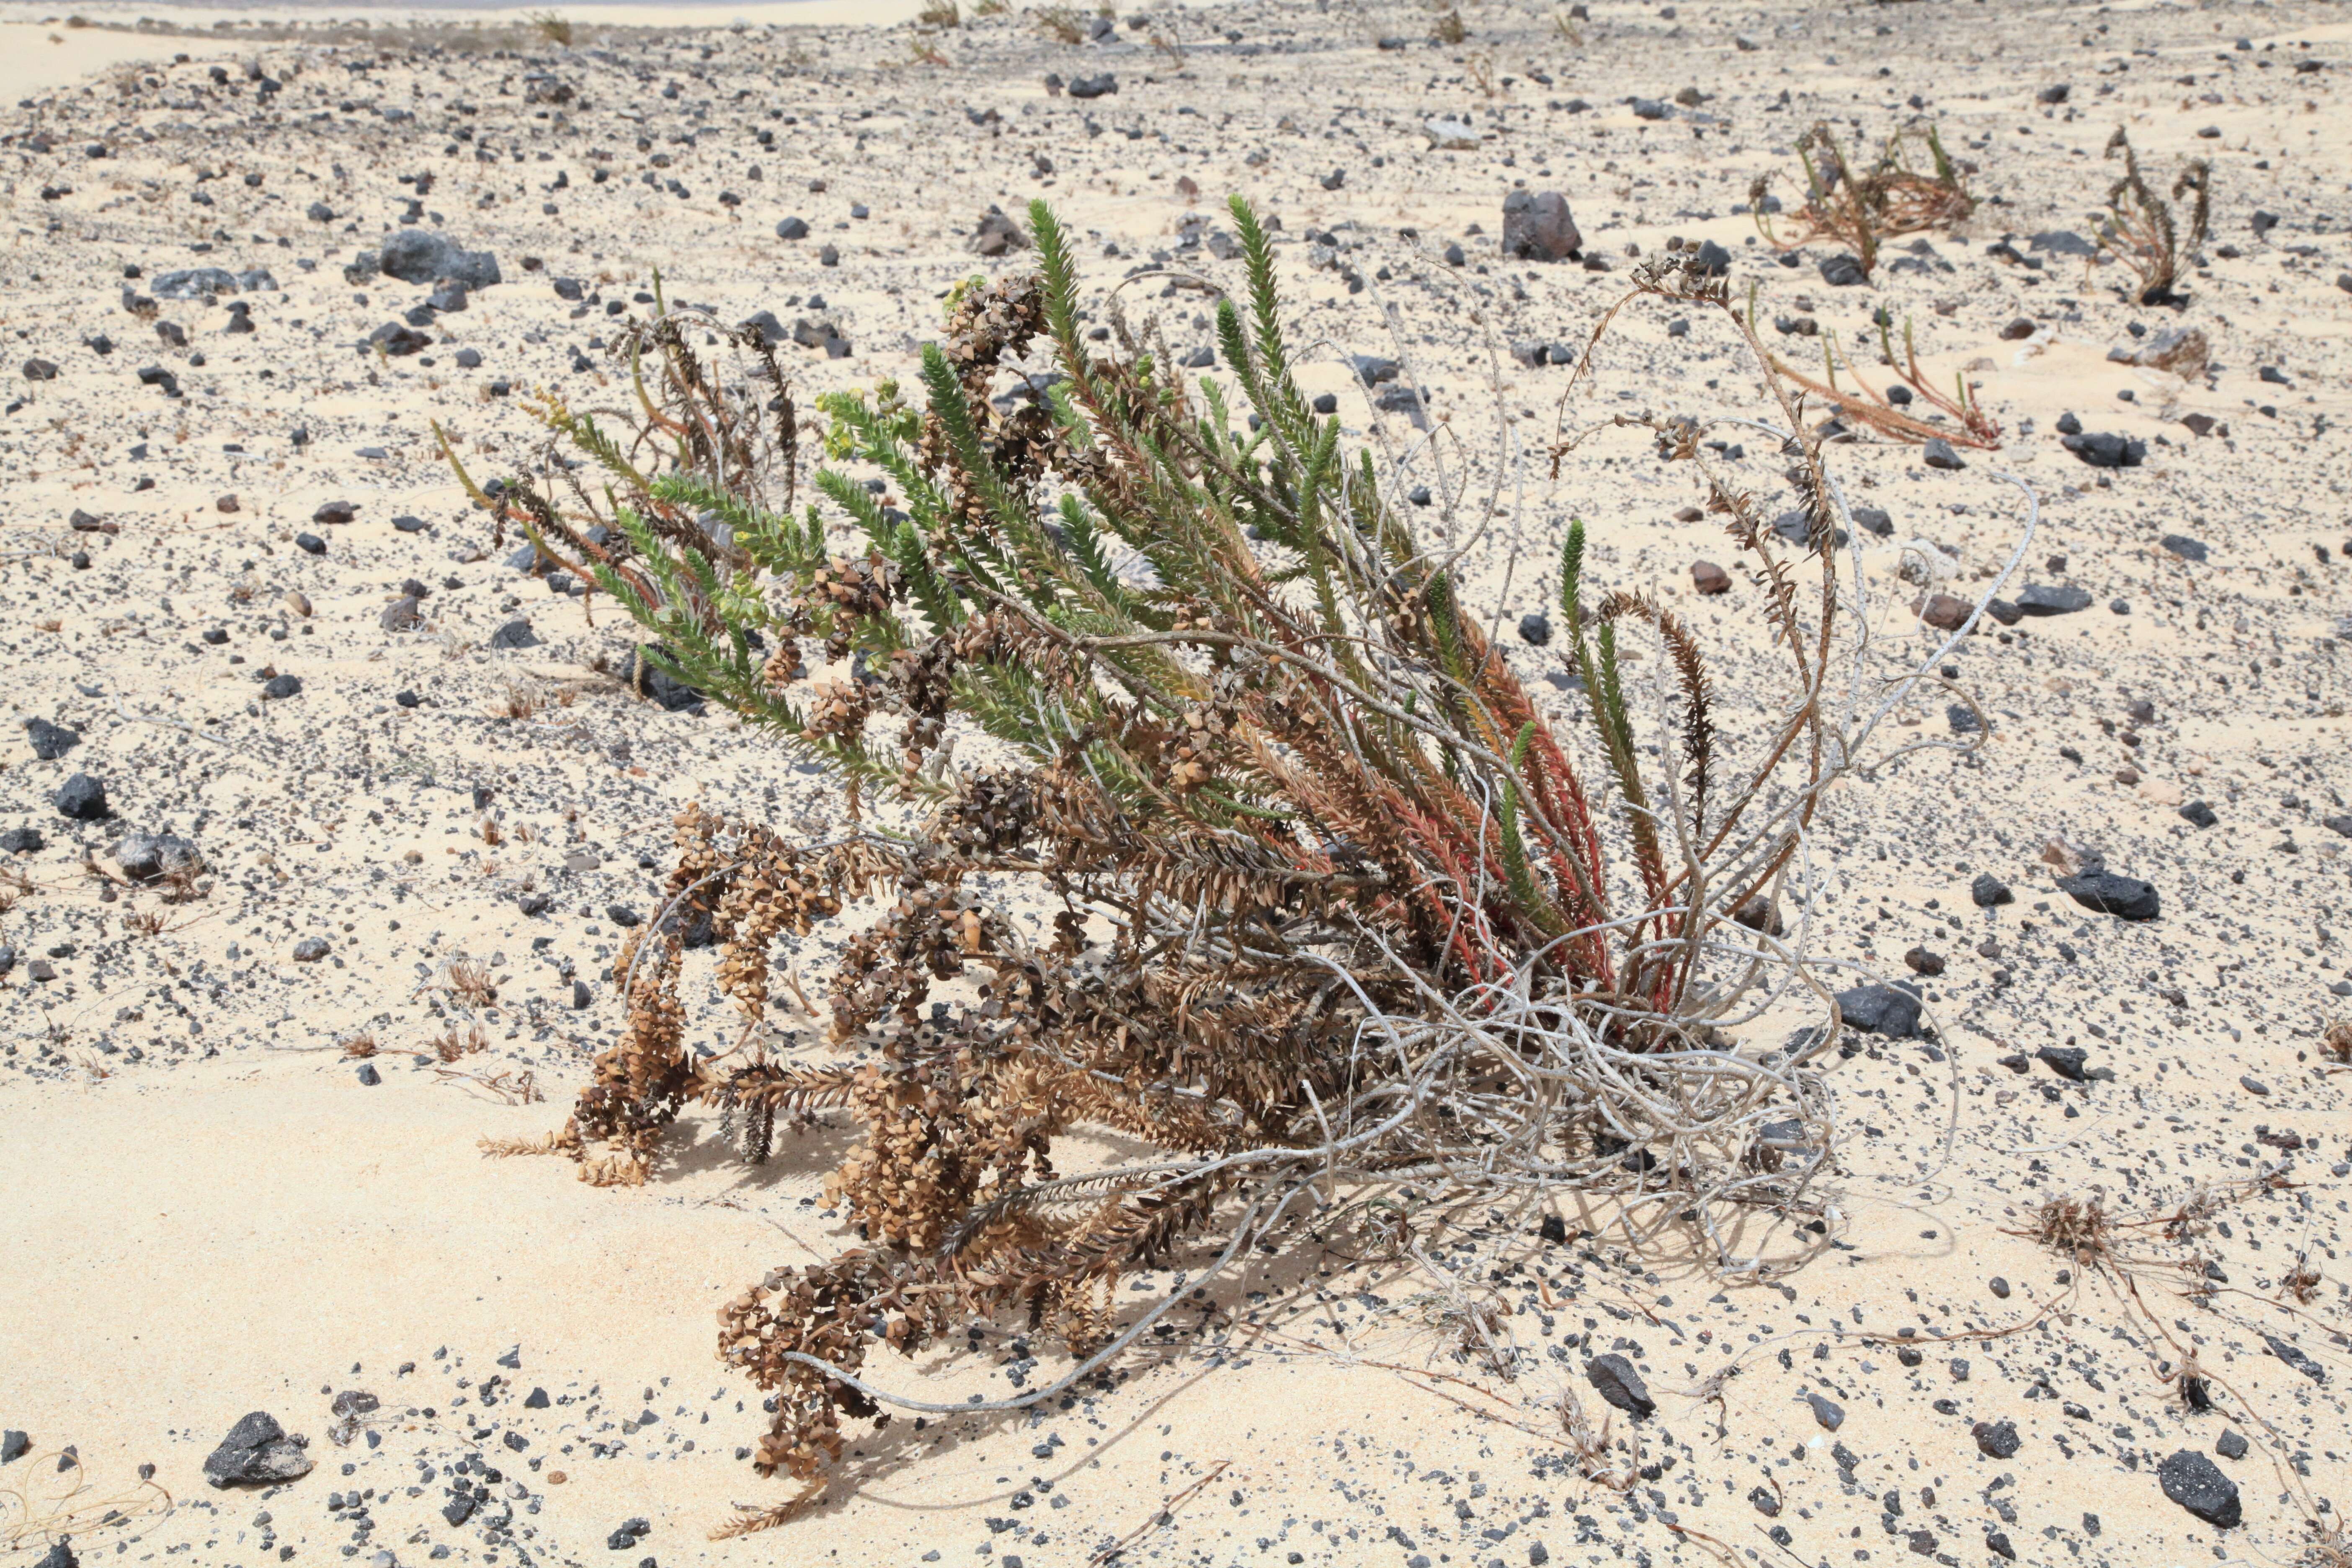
{"x":1334,"y":910}
{"x":1912,"y":186}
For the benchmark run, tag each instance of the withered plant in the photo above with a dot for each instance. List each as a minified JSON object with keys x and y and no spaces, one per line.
{"x":1259,"y":853}
{"x":1871,"y":407}
{"x":470,"y":980}
{"x":1913,"y":185}
{"x":2140,"y":230}
{"x":702,"y":450}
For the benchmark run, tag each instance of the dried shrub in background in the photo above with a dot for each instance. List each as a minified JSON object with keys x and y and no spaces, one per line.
{"x":1914,"y":186}
{"x":2139,"y":231}
{"x":1333,"y":905}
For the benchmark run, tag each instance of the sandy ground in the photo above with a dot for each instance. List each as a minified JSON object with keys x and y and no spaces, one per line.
{"x":210,"y":1212}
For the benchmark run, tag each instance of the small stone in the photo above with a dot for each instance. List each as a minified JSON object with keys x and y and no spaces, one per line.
{"x":1614,"y":1377}
{"x":622,"y":915}
{"x":278,"y":688}
{"x":2231,"y":1445}
{"x":50,"y":741}
{"x":2104,"y":449}
{"x":1937,"y":454}
{"x":1538,"y":226}
{"x":1828,"y":1412}
{"x":792,"y":228}
{"x":14,"y":1445}
{"x":1843,"y":271}
{"x":2125,"y":897}
{"x":311,"y":949}
{"x":369,"y":1076}
{"x":22,"y":841}
{"x":400,"y":615}
{"x":83,"y":798}
{"x":1708,"y":578}
{"x":2197,"y":814}
{"x":310,"y":544}
{"x":1892,"y":1011}
{"x":1945,"y":612}
{"x":995,"y":234}
{"x":1995,"y":1440}
{"x":1535,"y":630}
{"x":256,"y":1452}
{"x":2196,"y":1484}
{"x":144,"y":857}
{"x":2052,"y":599}
{"x":1923,"y":962}
{"x":514,"y":635}
{"x":2293,"y":1354}
{"x":2066,"y":1061}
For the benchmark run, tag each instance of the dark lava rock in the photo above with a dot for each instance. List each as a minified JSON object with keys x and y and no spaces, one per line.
{"x":1828,"y":1412}
{"x":1937,"y":454}
{"x":2125,"y":897}
{"x":1554,"y":1230}
{"x":2231,"y":1445}
{"x":1103,"y":86}
{"x":2105,"y":449}
{"x":2196,"y":813}
{"x":194,"y":283}
{"x":311,"y":949}
{"x":13,"y":1445}
{"x":792,"y":228}
{"x":2196,"y":1484}
{"x":423,"y":255}
{"x":1538,"y":226}
{"x":2293,"y":1355}
{"x":514,"y":635}
{"x":280,"y":686}
{"x":1707,"y":578}
{"x":2052,"y":599}
{"x":256,"y":1452}
{"x":144,"y":857}
{"x":1889,"y":1010}
{"x":399,"y":339}
{"x":50,"y":741}
{"x":2187,"y":549}
{"x":369,"y":1076}
{"x":1995,"y":1440}
{"x":1843,"y":271}
{"x":1535,"y":630}
{"x":22,"y":840}
{"x":38,"y":369}
{"x":309,"y":544}
{"x":624,"y":916}
{"x":61,"y":1554}
{"x":649,"y":680}
{"x":2056,"y":92}
{"x":1923,"y":962}
{"x":83,"y":798}
{"x":1876,"y":519}
{"x":400,"y":615}
{"x":1614,"y":1377}
{"x":1713,"y":260}
{"x":2066,"y":1061}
